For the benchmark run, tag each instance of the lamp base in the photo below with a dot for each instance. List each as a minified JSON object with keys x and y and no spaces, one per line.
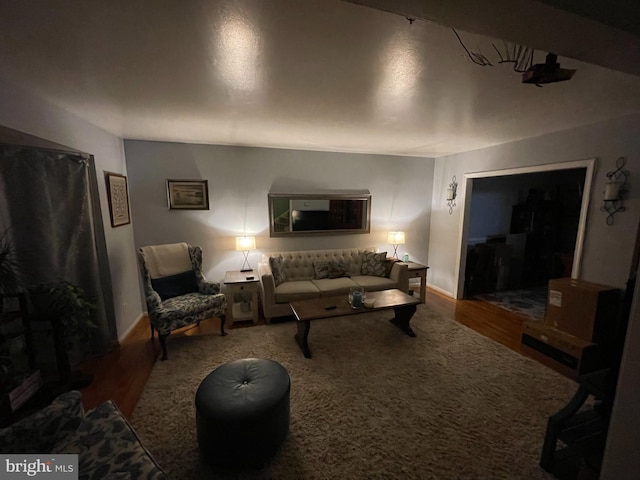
{"x":246,"y":266}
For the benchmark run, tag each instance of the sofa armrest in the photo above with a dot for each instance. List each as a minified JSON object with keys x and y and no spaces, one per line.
{"x":399,"y":275}
{"x":267,"y":284}
{"x":39,"y":432}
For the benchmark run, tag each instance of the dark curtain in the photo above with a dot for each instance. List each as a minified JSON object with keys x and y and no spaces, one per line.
{"x":47,"y":212}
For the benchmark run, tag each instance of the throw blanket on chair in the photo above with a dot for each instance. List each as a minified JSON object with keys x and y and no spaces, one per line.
{"x":169,"y":259}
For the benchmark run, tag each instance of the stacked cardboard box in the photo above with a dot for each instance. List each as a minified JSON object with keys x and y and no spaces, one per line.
{"x":579,"y":320}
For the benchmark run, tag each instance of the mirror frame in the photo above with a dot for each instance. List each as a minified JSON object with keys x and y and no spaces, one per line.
{"x":321,"y":196}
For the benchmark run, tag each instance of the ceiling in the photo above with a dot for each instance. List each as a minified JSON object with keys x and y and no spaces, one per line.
{"x":316,"y":74}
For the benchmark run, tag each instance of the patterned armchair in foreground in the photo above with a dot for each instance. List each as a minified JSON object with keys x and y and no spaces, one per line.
{"x":176,"y":291}
{"x":106,"y":444}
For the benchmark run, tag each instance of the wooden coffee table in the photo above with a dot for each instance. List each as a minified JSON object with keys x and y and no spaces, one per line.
{"x":403,"y":305}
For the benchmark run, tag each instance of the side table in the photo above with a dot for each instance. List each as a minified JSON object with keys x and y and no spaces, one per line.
{"x":416,"y":270}
{"x":242,"y":288}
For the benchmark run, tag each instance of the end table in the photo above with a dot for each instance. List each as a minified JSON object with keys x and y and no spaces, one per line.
{"x":416,"y":270}
{"x":241,"y":288}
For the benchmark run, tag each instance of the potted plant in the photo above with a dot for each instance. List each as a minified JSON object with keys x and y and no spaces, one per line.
{"x":10,"y":283}
{"x":72,"y":315}
{"x":16,"y":368}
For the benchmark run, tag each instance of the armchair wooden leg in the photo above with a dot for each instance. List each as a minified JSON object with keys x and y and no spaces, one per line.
{"x":222,"y":319}
{"x":163,"y":344}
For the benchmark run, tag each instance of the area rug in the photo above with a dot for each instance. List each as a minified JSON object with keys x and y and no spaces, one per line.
{"x":371,"y":403}
{"x":530,"y":303}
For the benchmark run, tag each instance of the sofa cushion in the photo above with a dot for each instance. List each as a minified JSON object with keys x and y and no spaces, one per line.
{"x":175,"y":285}
{"x":373,"y":263}
{"x":334,"y":286}
{"x":374,"y":283}
{"x":338,"y":269}
{"x":277,"y":268}
{"x":296,"y":290}
{"x":321,"y":269}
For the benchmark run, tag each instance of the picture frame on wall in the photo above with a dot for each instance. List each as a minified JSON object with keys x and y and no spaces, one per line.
{"x":188,"y":194}
{"x":118,"y":197}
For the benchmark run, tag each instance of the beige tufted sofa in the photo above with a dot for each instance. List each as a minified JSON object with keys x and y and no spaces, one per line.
{"x":300,"y":282}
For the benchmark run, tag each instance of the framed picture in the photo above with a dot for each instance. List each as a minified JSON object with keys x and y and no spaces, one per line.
{"x":118,"y":197}
{"x":188,"y":194}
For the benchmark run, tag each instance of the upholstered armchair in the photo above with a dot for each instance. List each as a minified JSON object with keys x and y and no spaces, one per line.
{"x":176,"y":291}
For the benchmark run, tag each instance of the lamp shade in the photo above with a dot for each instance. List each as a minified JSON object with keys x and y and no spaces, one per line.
{"x":245,"y":243}
{"x":395,"y":238}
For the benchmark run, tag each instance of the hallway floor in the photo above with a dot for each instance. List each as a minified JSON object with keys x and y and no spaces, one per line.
{"x":530,"y":303}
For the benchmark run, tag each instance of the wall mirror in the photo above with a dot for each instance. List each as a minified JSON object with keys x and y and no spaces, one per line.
{"x":319,"y":214}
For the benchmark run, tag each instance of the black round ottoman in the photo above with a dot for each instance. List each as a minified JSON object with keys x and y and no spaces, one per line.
{"x":242,"y":412}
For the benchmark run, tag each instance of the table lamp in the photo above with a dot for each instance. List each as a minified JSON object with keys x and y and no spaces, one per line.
{"x":395,"y":239}
{"x":245,"y":245}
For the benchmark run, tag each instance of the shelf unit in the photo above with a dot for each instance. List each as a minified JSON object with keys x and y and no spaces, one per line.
{"x":242,"y":288}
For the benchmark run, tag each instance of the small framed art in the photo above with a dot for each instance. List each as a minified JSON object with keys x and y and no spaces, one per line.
{"x":188,"y":194}
{"x":118,"y":197}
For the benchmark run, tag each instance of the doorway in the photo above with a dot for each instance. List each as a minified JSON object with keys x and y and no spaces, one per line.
{"x":522,"y":227}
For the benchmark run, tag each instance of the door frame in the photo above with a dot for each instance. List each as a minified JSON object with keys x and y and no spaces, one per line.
{"x":461,"y":261}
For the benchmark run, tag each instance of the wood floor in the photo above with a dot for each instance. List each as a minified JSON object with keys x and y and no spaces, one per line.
{"x":121,"y":375}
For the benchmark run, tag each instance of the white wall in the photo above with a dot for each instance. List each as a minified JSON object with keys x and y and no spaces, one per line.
{"x":621,"y":460}
{"x":30,"y":114}
{"x":607,"y":249}
{"x":240,"y":179}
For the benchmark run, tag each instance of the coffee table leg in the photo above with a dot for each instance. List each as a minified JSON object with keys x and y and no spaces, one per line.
{"x":301,"y":337}
{"x":403,"y":317}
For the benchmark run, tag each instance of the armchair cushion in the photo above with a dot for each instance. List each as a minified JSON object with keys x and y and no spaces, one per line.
{"x":175,"y":285}
{"x":189,"y":304}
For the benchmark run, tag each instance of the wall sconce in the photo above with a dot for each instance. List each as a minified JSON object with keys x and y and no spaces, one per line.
{"x":451,"y":194}
{"x":395,"y":239}
{"x":615,"y":191}
{"x":245,"y":245}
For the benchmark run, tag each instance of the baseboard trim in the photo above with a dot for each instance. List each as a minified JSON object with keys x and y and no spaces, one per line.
{"x":123,"y":337}
{"x":440,"y":290}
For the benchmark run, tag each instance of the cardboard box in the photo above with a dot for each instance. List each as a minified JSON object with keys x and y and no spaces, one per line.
{"x":583,"y":309}
{"x":559,"y":350}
